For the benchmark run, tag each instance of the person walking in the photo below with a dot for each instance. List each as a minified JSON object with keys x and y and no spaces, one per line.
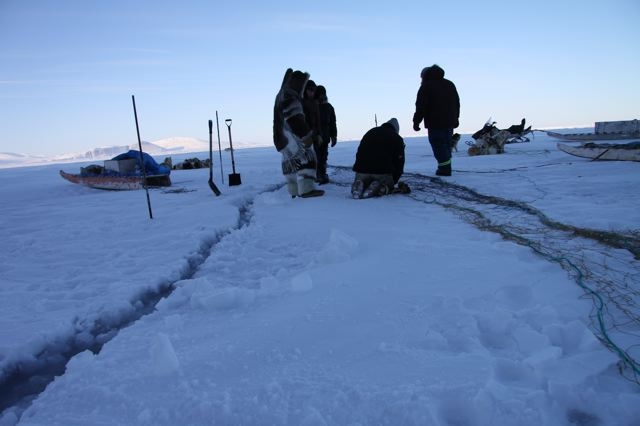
{"x":379,"y":161}
{"x":328,"y":133}
{"x":438,"y":106}
{"x":293,"y":138}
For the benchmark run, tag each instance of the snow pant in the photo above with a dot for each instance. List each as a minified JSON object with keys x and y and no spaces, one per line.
{"x":367,"y":185}
{"x":299,"y":166}
{"x":322,"y":152}
{"x":440,"y":140}
{"x":299,"y":169}
{"x":301,"y":182}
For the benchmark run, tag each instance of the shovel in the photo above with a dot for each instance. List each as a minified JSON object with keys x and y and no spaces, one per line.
{"x":234,"y":178}
{"x":212,"y":185}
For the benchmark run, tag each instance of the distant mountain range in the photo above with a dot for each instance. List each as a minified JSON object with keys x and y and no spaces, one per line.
{"x":176,"y":145}
{"x":164,"y":146}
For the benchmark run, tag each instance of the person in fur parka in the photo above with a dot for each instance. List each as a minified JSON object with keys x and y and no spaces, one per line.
{"x":293,"y":138}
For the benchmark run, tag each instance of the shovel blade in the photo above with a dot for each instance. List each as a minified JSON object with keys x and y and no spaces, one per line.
{"x":214,"y":188}
{"x":234,"y":179}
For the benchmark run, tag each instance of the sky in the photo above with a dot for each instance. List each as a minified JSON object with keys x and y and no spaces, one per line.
{"x":68,"y":68}
{"x":465,"y":302}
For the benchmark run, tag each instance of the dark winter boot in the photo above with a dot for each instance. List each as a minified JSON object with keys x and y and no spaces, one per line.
{"x":444,"y":170}
{"x":322,"y":179}
{"x":313,"y":193}
{"x":402,"y":188}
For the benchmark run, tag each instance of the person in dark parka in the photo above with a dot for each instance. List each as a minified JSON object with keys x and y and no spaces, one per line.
{"x":311,"y":108}
{"x":379,"y":161}
{"x":438,"y":106}
{"x":328,"y":133}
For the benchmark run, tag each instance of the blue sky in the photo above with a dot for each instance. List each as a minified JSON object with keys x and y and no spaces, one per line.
{"x":68,"y":68}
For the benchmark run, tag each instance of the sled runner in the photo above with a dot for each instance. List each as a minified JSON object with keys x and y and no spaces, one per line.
{"x":604,"y":151}
{"x":123,"y":172}
{"x":119,"y":183}
{"x":604,"y":130}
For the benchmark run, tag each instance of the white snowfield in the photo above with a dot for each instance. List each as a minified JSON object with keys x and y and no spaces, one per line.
{"x":475,"y":300}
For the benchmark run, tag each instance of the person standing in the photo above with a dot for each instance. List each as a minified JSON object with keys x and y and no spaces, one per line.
{"x":310,"y":107}
{"x":379,"y":161}
{"x":438,"y":105}
{"x":312,"y":116}
{"x":328,"y":133}
{"x":293,"y":138}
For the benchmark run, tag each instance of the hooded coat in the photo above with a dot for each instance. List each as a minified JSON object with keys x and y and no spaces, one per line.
{"x":437,"y":103}
{"x":311,"y":108}
{"x":328,"y":128}
{"x":288,"y":114}
{"x":381,"y":151}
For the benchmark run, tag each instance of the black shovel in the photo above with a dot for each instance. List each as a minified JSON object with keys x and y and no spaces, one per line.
{"x":212,"y":185}
{"x":234,"y":178}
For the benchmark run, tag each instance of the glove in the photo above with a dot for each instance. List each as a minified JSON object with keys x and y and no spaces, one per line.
{"x":334,"y":141}
{"x":416,"y":127}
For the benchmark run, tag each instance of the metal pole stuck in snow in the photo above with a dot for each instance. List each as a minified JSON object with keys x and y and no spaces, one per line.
{"x":219,"y":148}
{"x":212,"y":185}
{"x":144,"y":171}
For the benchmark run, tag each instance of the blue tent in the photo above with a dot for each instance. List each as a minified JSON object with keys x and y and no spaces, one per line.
{"x":150,"y":165}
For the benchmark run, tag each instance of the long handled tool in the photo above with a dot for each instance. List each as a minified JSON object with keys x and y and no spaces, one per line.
{"x":212,"y":185}
{"x":234,"y":178}
{"x":144,"y":169}
{"x":219,"y":148}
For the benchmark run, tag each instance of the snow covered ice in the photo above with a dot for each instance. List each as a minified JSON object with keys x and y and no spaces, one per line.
{"x":403,"y":310}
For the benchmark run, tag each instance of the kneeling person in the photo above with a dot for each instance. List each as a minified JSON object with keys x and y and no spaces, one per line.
{"x":379,"y":161}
